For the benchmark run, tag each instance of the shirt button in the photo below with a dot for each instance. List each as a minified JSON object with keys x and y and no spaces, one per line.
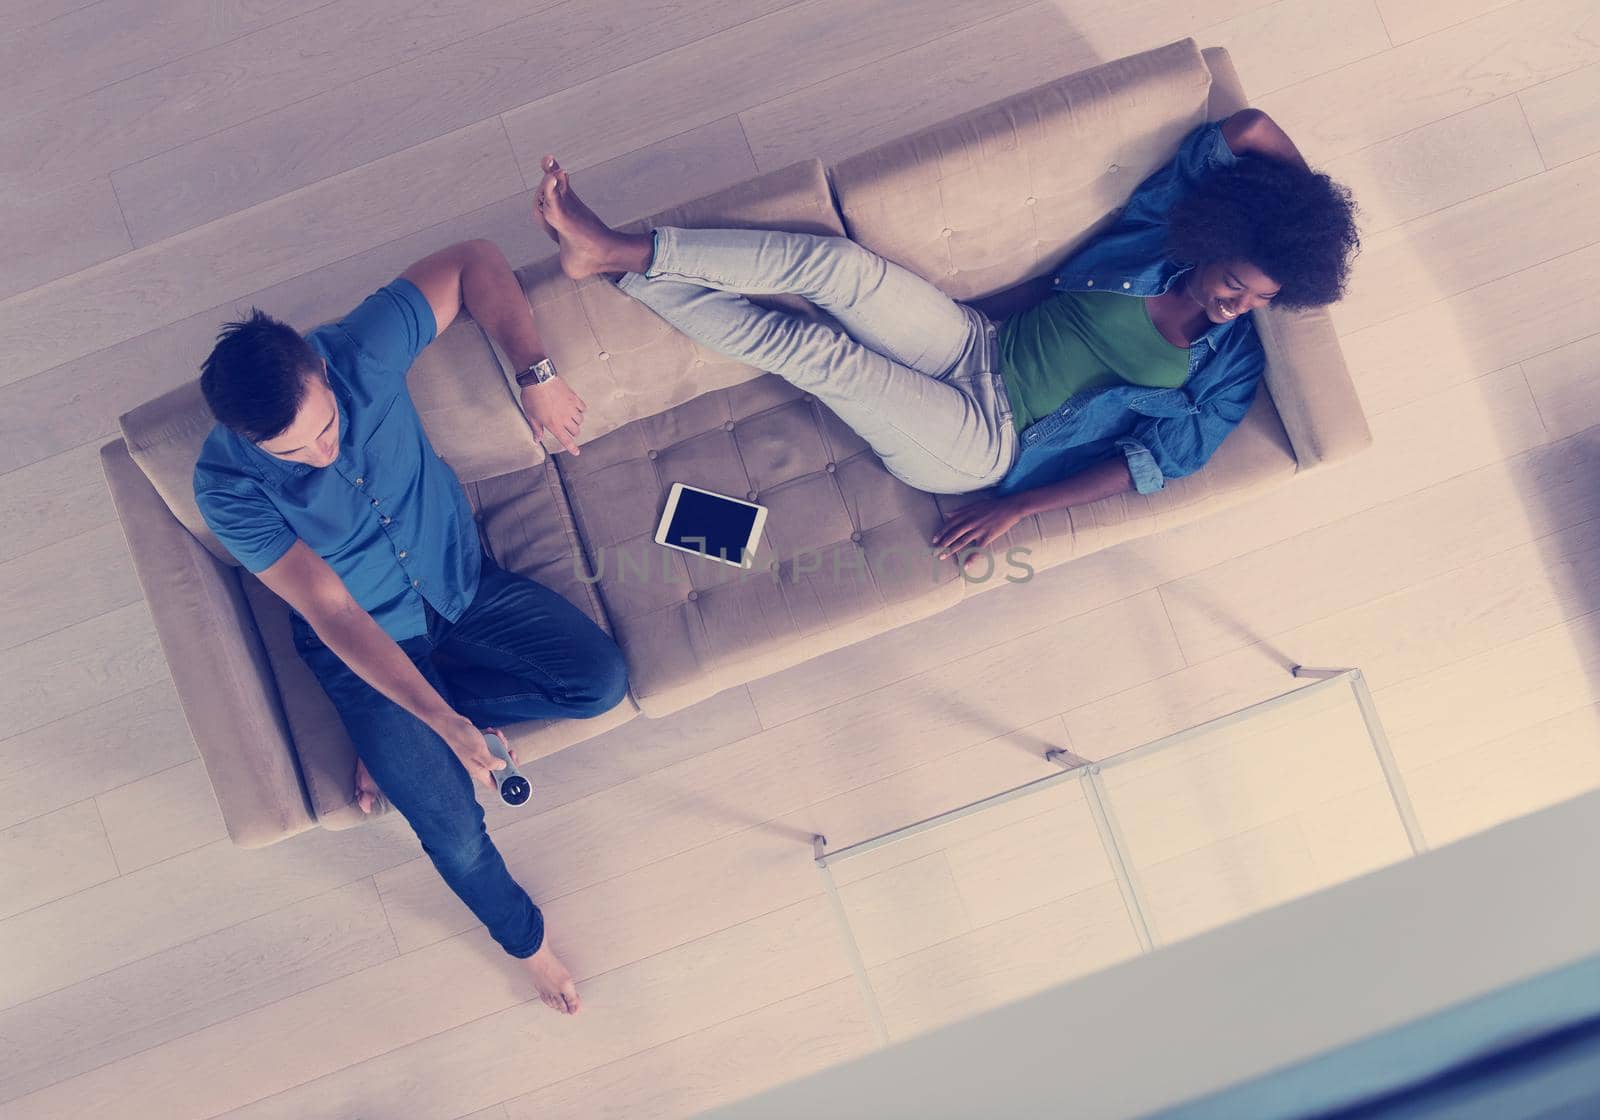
{"x":403,"y":554}
{"x":650,"y":454}
{"x":830,"y":468}
{"x":1113,"y":169}
{"x":603,"y":356}
{"x":750,"y":496}
{"x":1089,"y":284}
{"x":856,"y":537}
{"x":728,"y":427}
{"x":1126,"y":284}
{"x":416,"y":583}
{"x":386,"y":520}
{"x":1031,"y":200}
{"x":693,"y":595}
{"x":361,"y":482}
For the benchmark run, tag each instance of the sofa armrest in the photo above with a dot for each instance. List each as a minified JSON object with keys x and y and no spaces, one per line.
{"x":1306,"y":374}
{"x":217,"y":660}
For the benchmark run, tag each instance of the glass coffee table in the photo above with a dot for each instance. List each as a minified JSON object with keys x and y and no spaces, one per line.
{"x":997,"y":900}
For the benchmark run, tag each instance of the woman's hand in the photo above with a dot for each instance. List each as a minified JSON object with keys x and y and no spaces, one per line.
{"x":978,"y":525}
{"x":367,"y":791}
{"x":553,"y":406}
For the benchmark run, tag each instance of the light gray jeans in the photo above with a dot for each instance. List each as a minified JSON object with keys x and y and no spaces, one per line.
{"x":914,"y":373}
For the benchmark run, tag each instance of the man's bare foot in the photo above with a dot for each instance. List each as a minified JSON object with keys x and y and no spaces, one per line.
{"x":553,"y":980}
{"x":588,"y":245}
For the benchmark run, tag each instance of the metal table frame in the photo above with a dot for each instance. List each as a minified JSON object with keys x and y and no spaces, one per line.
{"x":1111,"y":838}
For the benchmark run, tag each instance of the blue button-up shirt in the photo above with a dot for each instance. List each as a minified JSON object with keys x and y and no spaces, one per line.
{"x":388,"y":515}
{"x":1162,"y":433}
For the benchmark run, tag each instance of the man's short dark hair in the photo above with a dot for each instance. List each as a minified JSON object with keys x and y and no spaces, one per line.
{"x":1296,"y":226}
{"x":256,"y":376}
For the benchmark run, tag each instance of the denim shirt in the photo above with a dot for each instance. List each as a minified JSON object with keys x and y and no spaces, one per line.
{"x":1162,"y":433}
{"x":389,"y":515}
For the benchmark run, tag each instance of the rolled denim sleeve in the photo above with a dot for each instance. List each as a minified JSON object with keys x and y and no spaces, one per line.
{"x":1163,"y":447}
{"x":1147,"y":476}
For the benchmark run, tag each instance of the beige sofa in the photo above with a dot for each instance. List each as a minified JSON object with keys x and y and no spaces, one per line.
{"x":976,"y":204}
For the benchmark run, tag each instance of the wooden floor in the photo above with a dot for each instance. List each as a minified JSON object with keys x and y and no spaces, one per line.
{"x":167,"y":162}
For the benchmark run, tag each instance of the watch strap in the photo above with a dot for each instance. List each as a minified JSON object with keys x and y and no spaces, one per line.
{"x":538,"y":373}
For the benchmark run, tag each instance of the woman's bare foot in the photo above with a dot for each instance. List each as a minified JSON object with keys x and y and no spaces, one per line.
{"x":553,"y":980}
{"x":588,"y":245}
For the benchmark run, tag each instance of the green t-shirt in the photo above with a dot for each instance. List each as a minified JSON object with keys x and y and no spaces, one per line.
{"x":1079,"y":341}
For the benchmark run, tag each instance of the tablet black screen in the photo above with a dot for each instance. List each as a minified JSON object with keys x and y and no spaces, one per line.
{"x":709,"y":524}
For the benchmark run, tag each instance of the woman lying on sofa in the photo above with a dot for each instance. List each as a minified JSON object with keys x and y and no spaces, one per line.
{"x":1083,"y":394}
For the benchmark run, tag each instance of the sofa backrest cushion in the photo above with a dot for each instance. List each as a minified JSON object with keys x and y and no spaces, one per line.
{"x":460,"y":389}
{"x":618,"y":355}
{"x":998,"y":195}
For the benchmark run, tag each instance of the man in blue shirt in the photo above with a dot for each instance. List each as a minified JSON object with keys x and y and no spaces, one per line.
{"x":319,"y":478}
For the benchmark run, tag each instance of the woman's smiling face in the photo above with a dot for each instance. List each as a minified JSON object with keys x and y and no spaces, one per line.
{"x":313,"y":438}
{"x":1229,"y":289}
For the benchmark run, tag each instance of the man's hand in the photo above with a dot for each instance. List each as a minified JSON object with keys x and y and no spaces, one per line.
{"x":554,"y":406}
{"x":978,"y":525}
{"x":468,"y":743}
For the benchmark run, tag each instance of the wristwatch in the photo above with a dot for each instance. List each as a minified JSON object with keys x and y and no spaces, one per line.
{"x":537,"y":374}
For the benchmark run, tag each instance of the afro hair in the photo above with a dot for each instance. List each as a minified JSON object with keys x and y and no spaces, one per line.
{"x":1296,"y":226}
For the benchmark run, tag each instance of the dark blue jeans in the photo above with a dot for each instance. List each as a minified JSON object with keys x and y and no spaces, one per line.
{"x":519,"y":651}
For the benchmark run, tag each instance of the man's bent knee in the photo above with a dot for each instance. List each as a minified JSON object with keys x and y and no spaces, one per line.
{"x":605,"y":686}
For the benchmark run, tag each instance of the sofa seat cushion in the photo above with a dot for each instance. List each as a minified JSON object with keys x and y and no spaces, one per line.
{"x":844,"y":555}
{"x":624,"y":360}
{"x":461,"y":392}
{"x":526,"y":526}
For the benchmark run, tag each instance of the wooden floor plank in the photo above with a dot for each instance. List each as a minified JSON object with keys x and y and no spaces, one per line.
{"x":1402,"y":543}
{"x":1000,"y":963}
{"x":1522,"y":773}
{"x":105,"y":745}
{"x":1450,"y":618}
{"x":1455,"y":249}
{"x":1562,"y":115}
{"x":719,"y":1065}
{"x":110,"y":40}
{"x":454,"y":1032}
{"x":1281,"y":44}
{"x":1566,"y":384}
{"x":358,"y":122}
{"x":60,"y":233}
{"x":917,"y":87}
{"x":602,"y":118}
{"x":191,"y":986}
{"x":54,"y":498}
{"x":1425,"y":80}
{"x":164,"y":815}
{"x":1438,"y":165}
{"x":78,"y":667}
{"x":162,"y":284}
{"x":103,"y":580}
{"x":1494,"y":695}
{"x":332,"y":44}
{"x":1486,"y":328}
{"x":52,"y":855}
{"x":1411,"y":19}
{"x":155,"y":908}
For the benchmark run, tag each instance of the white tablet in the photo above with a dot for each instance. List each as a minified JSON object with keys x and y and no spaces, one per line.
{"x":717,"y":527}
